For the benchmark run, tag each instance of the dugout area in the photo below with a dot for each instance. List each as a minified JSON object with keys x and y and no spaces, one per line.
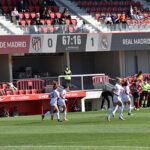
{"x":112,"y":63}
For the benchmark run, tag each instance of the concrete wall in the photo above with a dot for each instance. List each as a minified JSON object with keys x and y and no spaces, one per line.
{"x":51,"y":64}
{"x":82,"y":63}
{"x":4,"y":68}
{"x":108,"y":63}
{"x":136,"y":61}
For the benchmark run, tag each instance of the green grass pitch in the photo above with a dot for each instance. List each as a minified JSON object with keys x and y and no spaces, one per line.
{"x":83,"y":131}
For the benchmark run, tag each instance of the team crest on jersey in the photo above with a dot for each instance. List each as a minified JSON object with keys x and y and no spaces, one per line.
{"x":36,"y":43}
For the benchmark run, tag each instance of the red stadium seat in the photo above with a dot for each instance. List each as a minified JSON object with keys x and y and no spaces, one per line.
{"x":16,"y":92}
{"x":21,"y":92}
{"x":28,"y":91}
{"x":3,"y":2}
{"x":8,"y":92}
{"x":31,"y":8}
{"x":5,"y":9}
{"x":34,"y":91}
{"x":37,"y":9}
{"x":55,"y":9}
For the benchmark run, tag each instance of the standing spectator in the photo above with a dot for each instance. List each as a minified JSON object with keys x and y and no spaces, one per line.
{"x":43,"y":13}
{"x":15,"y":16}
{"x":66,"y":14}
{"x":145,"y":87}
{"x":67,"y":77}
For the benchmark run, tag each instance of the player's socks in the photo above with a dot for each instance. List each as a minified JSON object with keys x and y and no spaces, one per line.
{"x":114,"y":110}
{"x":145,"y":103}
{"x":136,"y":104}
{"x":65,"y":115}
{"x":58,"y":116}
{"x":120,"y":109}
{"x":47,"y":113}
{"x":129,"y":109}
{"x":142,"y":103}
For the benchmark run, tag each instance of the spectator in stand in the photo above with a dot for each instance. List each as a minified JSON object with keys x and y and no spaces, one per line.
{"x":43,"y":13}
{"x":115,"y":20}
{"x":123,"y":20}
{"x":66,"y":14}
{"x":23,"y":5}
{"x":83,"y":28}
{"x":108,"y":21}
{"x":15,"y":16}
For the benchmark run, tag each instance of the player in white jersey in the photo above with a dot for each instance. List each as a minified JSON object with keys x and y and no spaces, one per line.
{"x":117,"y":101}
{"x":54,"y":96}
{"x":126,"y":97}
{"x":62,"y":102}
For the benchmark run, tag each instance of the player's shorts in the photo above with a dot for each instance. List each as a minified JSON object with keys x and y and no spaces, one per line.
{"x":145,"y":93}
{"x":53,"y":102}
{"x":116,"y":99}
{"x":136,"y":95}
{"x":126,"y":98}
{"x":61,"y":102}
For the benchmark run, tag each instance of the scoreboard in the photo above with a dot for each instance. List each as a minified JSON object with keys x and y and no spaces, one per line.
{"x":74,"y":42}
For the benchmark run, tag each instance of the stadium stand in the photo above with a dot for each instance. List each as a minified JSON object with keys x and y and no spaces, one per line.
{"x":107,"y":12}
{"x":45,"y":14}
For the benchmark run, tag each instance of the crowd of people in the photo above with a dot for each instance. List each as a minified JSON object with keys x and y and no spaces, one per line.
{"x":134,"y":88}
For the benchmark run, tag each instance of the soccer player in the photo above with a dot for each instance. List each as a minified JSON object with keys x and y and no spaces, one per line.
{"x":62,"y":103}
{"x":136,"y":95}
{"x":54,"y":95}
{"x":117,"y":101}
{"x":126,"y":97}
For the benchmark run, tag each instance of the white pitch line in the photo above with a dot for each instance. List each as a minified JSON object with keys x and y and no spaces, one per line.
{"x":82,"y":146}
